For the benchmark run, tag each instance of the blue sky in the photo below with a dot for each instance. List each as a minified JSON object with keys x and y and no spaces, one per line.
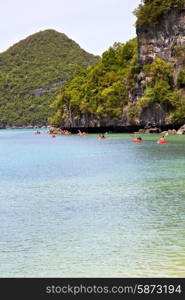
{"x":93,"y":24}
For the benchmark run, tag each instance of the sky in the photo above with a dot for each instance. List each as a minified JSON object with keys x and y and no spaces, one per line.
{"x":94,"y":24}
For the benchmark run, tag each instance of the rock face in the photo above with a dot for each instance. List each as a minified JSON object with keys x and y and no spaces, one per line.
{"x":156,"y":115}
{"x":87,"y":120}
{"x":160,"y":40}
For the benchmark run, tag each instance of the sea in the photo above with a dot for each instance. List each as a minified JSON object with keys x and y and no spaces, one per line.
{"x":78,"y":206}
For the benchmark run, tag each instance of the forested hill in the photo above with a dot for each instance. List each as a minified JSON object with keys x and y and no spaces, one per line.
{"x":31,"y":72}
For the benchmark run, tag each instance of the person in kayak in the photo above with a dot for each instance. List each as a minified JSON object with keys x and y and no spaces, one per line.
{"x":102,"y":136}
{"x":139,"y":138}
{"x":162,"y":139}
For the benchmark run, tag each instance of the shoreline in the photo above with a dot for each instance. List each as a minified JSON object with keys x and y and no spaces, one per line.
{"x":108,"y":129}
{"x":121,"y":129}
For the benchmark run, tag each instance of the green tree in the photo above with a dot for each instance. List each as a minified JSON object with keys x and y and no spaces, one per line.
{"x":150,"y":11}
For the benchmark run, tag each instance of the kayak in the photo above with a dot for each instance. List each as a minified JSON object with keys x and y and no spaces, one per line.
{"x":101,"y":138}
{"x":161,"y":142}
{"x":137,"y":141}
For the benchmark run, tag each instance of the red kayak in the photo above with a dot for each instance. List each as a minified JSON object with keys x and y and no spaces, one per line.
{"x":101,"y":138}
{"x":137,"y":141}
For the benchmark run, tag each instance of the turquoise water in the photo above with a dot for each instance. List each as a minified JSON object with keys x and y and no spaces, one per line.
{"x":82,"y":207}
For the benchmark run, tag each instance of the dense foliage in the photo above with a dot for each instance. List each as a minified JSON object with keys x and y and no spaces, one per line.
{"x":161,"y":90}
{"x":150,"y":11}
{"x":30,"y":73}
{"x":102,"y":90}
{"x":159,"y":87}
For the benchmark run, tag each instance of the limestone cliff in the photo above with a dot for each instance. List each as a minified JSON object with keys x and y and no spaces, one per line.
{"x":160,"y":40}
{"x":165,"y":40}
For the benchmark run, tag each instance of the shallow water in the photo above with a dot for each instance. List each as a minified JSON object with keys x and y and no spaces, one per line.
{"x":82,"y":207}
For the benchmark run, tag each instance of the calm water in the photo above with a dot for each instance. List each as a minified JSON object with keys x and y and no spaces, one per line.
{"x":81,"y":207}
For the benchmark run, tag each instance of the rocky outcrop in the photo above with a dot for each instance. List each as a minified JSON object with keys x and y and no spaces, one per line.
{"x":165,"y":40}
{"x":181,"y":130}
{"x":150,"y":130}
{"x":170,"y":131}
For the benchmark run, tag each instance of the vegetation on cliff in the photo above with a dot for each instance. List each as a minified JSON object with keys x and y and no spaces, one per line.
{"x":102,"y":90}
{"x":31,"y":72}
{"x":150,"y":11}
{"x":161,"y":90}
{"x":159,"y":85}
